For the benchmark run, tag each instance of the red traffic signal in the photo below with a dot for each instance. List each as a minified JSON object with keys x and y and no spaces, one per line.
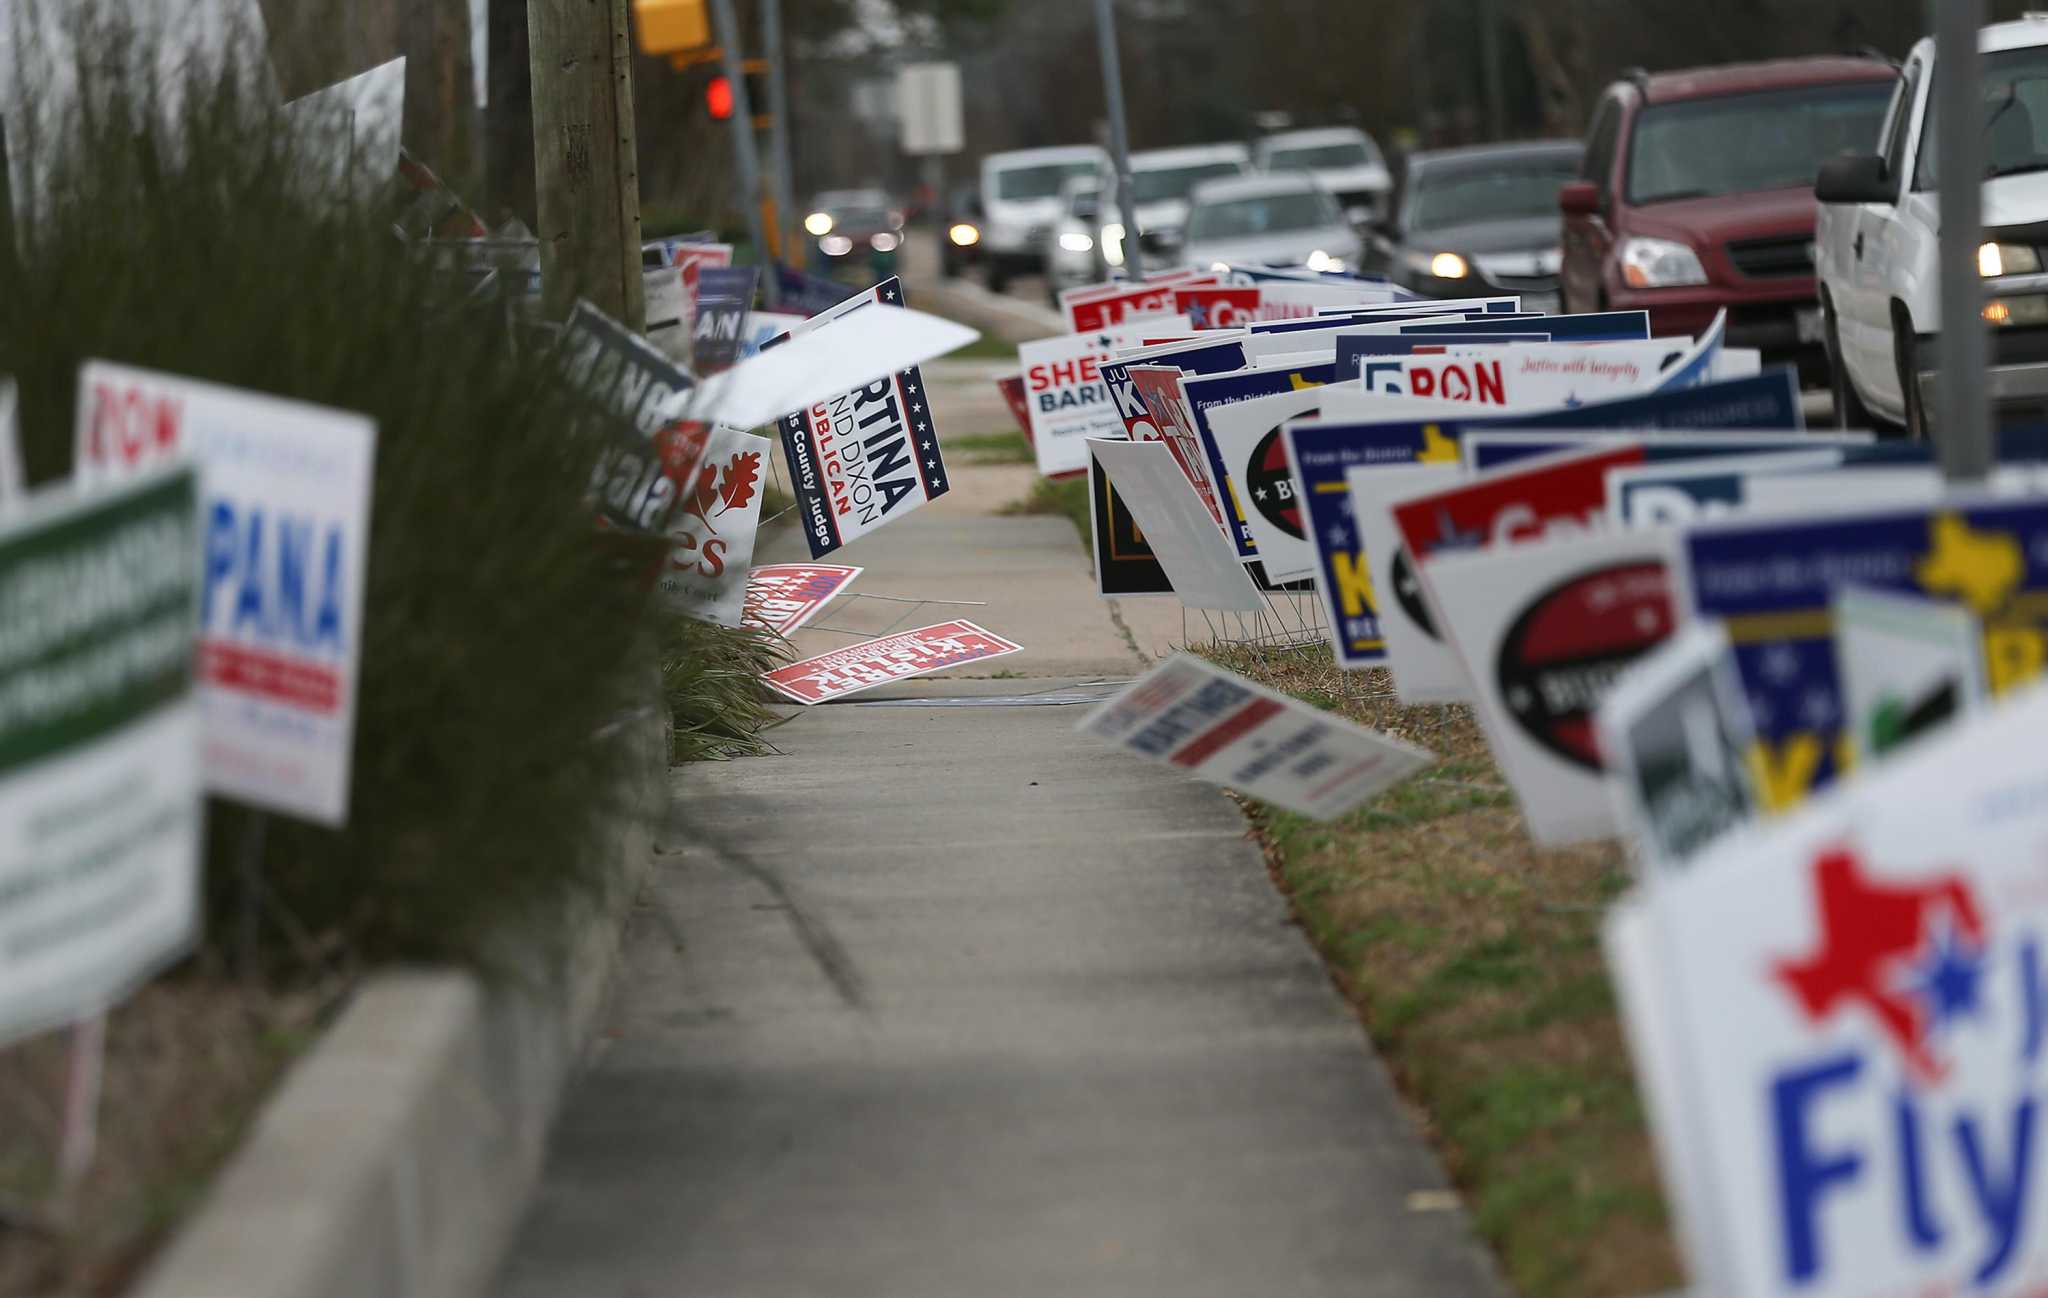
{"x":718,"y":98}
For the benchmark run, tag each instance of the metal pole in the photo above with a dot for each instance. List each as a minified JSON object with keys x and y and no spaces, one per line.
{"x":1962,"y":428}
{"x":778,"y":136}
{"x":1489,"y":48}
{"x":1119,"y":137}
{"x":745,"y":162}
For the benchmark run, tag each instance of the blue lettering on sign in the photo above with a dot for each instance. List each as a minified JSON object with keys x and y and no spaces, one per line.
{"x":275,"y":577}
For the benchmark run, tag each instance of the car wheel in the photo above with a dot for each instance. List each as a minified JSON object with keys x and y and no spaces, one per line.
{"x":1906,"y":347}
{"x":998,"y":278}
{"x":1850,"y":412}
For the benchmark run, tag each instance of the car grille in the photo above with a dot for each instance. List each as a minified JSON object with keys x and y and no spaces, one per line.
{"x":1522,"y":283}
{"x":1784,"y":258}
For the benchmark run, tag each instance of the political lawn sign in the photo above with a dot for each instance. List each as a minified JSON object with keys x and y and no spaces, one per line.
{"x":1208,"y":392}
{"x":1674,"y":735}
{"x":1909,"y":666}
{"x":867,"y":457}
{"x":712,"y":529}
{"x":1247,"y":435}
{"x":1198,"y":560}
{"x":651,"y":453}
{"x":1545,"y":630}
{"x":1224,"y":729}
{"x":1069,"y":400}
{"x":101,"y":796}
{"x":1840,"y":1019}
{"x":1125,"y":564}
{"x":286,"y":504}
{"x":725,"y":295}
{"x":886,"y":660}
{"x":1424,"y":667}
{"x":781,"y":597}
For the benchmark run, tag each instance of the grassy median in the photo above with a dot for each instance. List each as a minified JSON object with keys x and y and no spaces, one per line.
{"x":1474,"y":961}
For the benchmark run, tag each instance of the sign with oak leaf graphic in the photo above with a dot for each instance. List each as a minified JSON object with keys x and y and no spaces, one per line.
{"x":716,"y":516}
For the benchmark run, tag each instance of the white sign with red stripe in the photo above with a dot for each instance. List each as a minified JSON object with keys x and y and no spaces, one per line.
{"x":892,"y":658}
{"x":1227,"y":730}
{"x":285,"y":526}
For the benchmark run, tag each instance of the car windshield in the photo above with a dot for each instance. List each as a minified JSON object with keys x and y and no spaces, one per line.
{"x":2015,"y":117}
{"x":1322,"y":157}
{"x":1247,"y":218}
{"x":1175,"y":182}
{"x":1024,"y":183}
{"x":1739,"y":144}
{"x":1497,"y":191}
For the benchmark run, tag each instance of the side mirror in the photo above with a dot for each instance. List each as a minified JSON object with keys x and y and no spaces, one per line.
{"x":1579,"y":198}
{"x":1854,"y":178}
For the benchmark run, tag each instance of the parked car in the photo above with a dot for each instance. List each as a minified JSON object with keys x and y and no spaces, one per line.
{"x":1697,"y":195}
{"x":1481,"y":220}
{"x":1880,"y":238}
{"x":1020,"y":199}
{"x":846,"y":223}
{"x":1344,"y":161}
{"x":1285,"y":219}
{"x":1161,"y":180}
{"x":1072,"y":249}
{"x":963,"y":217}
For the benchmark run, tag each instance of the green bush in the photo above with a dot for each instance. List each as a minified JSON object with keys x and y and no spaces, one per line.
{"x":501,"y":642}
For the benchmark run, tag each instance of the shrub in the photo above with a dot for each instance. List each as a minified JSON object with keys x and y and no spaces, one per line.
{"x":500,"y":642}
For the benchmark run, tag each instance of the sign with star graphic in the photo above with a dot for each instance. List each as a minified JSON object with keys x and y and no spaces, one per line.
{"x":1247,"y":437}
{"x":1544,"y":631}
{"x":1840,"y":1022}
{"x":781,"y":597}
{"x":1067,"y":397}
{"x":1208,"y":392}
{"x":1224,"y":729}
{"x":1772,"y":580}
{"x":868,"y":457}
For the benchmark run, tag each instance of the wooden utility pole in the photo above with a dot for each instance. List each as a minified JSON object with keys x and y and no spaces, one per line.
{"x":586,"y":161}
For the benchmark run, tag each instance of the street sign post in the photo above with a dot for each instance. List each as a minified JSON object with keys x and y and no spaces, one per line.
{"x":1119,"y":137}
{"x":1962,"y":432}
{"x":928,"y":108}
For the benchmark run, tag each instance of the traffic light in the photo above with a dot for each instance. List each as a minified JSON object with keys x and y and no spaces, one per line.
{"x":718,"y":98}
{"x":671,"y":26}
{"x":720,"y":101}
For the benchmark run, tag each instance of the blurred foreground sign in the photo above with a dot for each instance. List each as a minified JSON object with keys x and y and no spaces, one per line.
{"x":286,"y":490}
{"x":783,"y":596}
{"x":1224,"y":729}
{"x":892,"y":658}
{"x":100,"y":797}
{"x":1840,"y":1022}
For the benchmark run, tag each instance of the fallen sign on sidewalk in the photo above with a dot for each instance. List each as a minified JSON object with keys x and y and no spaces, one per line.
{"x":887,"y":660}
{"x":1227,"y":730}
{"x":783,"y":596}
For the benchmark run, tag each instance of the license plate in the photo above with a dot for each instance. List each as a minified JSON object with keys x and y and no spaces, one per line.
{"x":1808,"y":325}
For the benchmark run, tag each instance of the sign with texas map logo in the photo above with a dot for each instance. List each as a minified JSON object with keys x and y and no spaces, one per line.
{"x":1841,"y":1022}
{"x":713,"y":527}
{"x":1546,"y":630}
{"x":1772,"y":579}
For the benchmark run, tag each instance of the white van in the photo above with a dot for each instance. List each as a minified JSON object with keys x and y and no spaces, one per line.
{"x":1343,"y":159}
{"x":1020,"y":201}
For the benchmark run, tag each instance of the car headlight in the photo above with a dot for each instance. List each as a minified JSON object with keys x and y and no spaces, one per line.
{"x":819,"y":224}
{"x":1660,"y":263}
{"x":1113,"y":244}
{"x":883,"y":241}
{"x":835,"y":245}
{"x":1995,"y":259}
{"x":1323,"y":261}
{"x":1443,"y":265}
{"x":1075,"y":241}
{"x":964,"y":235}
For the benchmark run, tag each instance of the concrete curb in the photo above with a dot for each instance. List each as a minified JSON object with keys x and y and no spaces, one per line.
{"x":397,"y":1158}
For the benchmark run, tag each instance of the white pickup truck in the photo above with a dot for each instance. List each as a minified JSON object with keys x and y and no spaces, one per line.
{"x":1879,"y":239}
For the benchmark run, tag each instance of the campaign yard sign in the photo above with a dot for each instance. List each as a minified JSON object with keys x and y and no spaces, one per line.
{"x":1069,"y":399}
{"x":651,"y":454}
{"x":1909,"y":666}
{"x":1216,"y":307}
{"x":1424,"y":667}
{"x":1097,"y":307}
{"x":1545,"y":630}
{"x":865,"y":458}
{"x":1140,"y":425}
{"x":1248,"y":437}
{"x":1224,"y":729}
{"x":725,"y":294}
{"x":1125,"y":564}
{"x":712,"y":529}
{"x":1840,"y":1020}
{"x":892,"y":658}
{"x":285,"y":488}
{"x":1674,"y":735}
{"x":1012,"y":388}
{"x":1199,"y":561}
{"x":1207,"y":392}
{"x":1772,"y":581}
{"x":101,"y":801}
{"x":783,"y":596}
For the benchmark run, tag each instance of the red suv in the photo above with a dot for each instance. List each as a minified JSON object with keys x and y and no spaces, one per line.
{"x":1697,"y":194}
